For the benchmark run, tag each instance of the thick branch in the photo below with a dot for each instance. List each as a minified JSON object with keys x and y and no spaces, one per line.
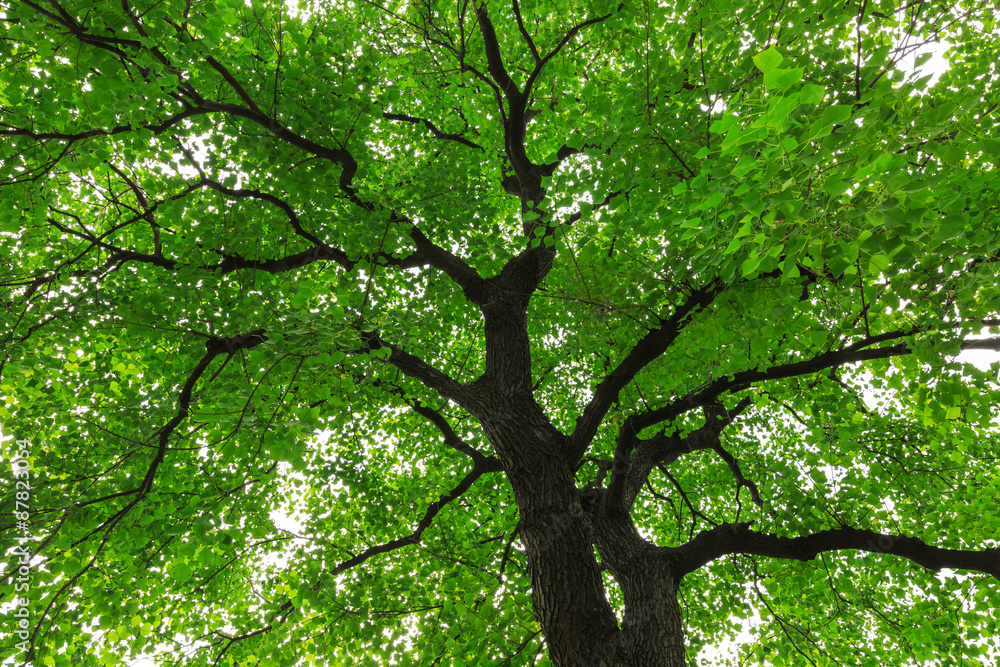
{"x":234,"y":262}
{"x":992,"y":344}
{"x":454,"y":266}
{"x":636,"y":458}
{"x":419,"y":370}
{"x":743,"y":379}
{"x":741,"y":480}
{"x":231,"y":80}
{"x":737,"y":538}
{"x":494,"y":60}
{"x":651,"y":346}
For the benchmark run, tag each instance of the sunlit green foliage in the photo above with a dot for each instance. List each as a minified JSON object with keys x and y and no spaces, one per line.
{"x":176,"y":173}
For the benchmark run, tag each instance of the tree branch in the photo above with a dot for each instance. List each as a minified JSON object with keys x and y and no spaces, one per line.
{"x":651,"y":346}
{"x":213,"y":347}
{"x":422,"y":525}
{"x":737,"y":538}
{"x":231,"y":80}
{"x":293,"y":219}
{"x":339,"y":155}
{"x":494,"y":61}
{"x":453,"y":266}
{"x":452,"y":440}
{"x":636,"y":458}
{"x":567,"y":38}
{"x":741,"y":480}
{"x":438,"y":134}
{"x":524,"y":32}
{"x":71,"y":137}
{"x":419,"y":370}
{"x":743,"y":379}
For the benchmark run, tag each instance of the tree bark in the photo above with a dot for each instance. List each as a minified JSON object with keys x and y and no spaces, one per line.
{"x":559,"y":536}
{"x":568,"y":595}
{"x":652,"y":629}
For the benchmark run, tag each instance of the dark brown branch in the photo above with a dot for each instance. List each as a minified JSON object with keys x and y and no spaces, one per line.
{"x":234,"y":262}
{"x":250,"y":112}
{"x":419,"y":370}
{"x":213,"y":347}
{"x":651,"y":346}
{"x":231,"y":80}
{"x":293,"y":219}
{"x":738,"y":381}
{"x":454,"y":267}
{"x":506,"y":553}
{"x":339,"y":155}
{"x":992,"y":344}
{"x":567,"y":38}
{"x":452,"y":440}
{"x":982,"y":260}
{"x":108,"y":527}
{"x":524,"y":32}
{"x":695,"y":512}
{"x":158,"y":128}
{"x":636,"y":458}
{"x":741,"y":480}
{"x":438,"y":134}
{"x":737,"y":538}
{"x":424,"y":523}
{"x":494,"y":61}
{"x":425,"y":253}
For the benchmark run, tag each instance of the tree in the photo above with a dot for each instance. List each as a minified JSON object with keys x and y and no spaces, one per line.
{"x":499,"y":333}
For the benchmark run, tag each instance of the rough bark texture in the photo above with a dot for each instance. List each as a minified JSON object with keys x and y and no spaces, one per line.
{"x":569,"y":598}
{"x":558,"y":533}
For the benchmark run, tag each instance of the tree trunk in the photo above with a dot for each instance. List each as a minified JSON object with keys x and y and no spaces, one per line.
{"x":568,"y":594}
{"x":559,"y":537}
{"x":652,"y":632}
{"x":652,"y":629}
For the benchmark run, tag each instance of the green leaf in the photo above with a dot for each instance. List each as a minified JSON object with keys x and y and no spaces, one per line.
{"x":783,"y":79}
{"x":811,"y":94}
{"x":749,"y":266}
{"x":836,"y":114}
{"x":181,"y":572}
{"x":767,"y":60}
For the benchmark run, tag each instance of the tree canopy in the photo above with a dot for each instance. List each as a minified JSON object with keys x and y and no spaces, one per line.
{"x":499,"y":333}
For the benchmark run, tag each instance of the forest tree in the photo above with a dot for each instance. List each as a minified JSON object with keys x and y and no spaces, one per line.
{"x":499,"y":332}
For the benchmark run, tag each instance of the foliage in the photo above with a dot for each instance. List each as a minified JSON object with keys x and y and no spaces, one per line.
{"x":272,"y":273}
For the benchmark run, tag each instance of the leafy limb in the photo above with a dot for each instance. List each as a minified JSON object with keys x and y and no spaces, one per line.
{"x":737,"y":538}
